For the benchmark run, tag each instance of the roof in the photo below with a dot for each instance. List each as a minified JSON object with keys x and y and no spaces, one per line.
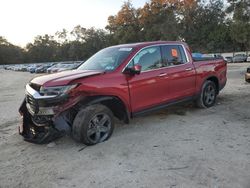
{"x":143,"y":44}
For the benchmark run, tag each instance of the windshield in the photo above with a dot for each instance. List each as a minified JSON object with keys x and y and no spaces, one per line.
{"x":107,"y":59}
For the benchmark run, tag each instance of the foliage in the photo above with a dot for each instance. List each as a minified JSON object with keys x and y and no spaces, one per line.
{"x":9,"y":53}
{"x":43,"y":49}
{"x":240,"y":27}
{"x":158,"y":21}
{"x":207,"y":26}
{"x":124,"y":27}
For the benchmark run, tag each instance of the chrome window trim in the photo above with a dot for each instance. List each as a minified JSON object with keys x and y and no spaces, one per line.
{"x":155,"y":45}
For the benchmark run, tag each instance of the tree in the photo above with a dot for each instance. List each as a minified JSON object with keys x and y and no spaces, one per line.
{"x":124,"y":27}
{"x":203,"y":25}
{"x":62,"y":36}
{"x":240,"y":27}
{"x":214,"y":30}
{"x":43,"y":49}
{"x":86,"y":42}
{"x":158,"y":21}
{"x":78,"y":33}
{"x":9,"y":53}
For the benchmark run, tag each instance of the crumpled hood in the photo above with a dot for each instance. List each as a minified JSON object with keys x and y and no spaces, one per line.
{"x":63,"y":78}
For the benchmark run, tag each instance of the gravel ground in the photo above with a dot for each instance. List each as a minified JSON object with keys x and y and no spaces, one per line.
{"x":179,"y":147}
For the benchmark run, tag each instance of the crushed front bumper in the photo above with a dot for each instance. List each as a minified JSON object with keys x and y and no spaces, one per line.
{"x":43,"y":118}
{"x":31,"y":132}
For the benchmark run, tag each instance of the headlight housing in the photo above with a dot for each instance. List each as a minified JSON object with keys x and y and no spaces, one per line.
{"x":58,"y":90}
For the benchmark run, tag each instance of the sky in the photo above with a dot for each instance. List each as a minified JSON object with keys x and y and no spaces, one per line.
{"x":22,"y":20}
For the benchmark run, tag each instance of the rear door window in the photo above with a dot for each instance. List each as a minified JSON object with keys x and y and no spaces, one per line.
{"x":173,"y":55}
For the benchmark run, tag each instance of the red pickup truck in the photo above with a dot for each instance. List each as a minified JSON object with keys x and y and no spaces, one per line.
{"x":120,"y":81}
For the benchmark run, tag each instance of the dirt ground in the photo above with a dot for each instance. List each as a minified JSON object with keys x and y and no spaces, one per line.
{"x":181,"y":147}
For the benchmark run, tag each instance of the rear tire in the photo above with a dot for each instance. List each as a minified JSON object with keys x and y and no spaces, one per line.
{"x":208,"y":95}
{"x":93,"y":124}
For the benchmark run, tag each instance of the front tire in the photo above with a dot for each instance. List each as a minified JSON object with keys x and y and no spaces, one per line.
{"x":93,"y":124}
{"x":208,"y":95}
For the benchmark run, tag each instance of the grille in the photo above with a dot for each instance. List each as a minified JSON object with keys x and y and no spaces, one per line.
{"x":32,"y":104}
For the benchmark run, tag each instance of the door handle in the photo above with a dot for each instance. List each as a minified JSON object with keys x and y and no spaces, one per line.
{"x":189,"y":69}
{"x":162,"y":74}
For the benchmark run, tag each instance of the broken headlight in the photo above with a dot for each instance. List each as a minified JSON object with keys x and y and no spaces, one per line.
{"x":58,"y":90}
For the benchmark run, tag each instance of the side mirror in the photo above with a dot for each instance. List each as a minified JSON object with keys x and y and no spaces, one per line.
{"x":136,"y":69}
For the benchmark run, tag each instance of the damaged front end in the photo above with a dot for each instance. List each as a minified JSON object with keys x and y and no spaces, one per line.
{"x":47,"y":115}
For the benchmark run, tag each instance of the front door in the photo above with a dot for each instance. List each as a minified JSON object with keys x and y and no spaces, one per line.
{"x":148,"y":88}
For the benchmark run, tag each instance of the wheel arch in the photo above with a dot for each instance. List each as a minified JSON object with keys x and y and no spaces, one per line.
{"x":200,"y":99}
{"x":115,"y":104}
{"x":213,"y":79}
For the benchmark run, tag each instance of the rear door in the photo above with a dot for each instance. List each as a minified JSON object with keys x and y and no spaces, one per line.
{"x":181,"y":74}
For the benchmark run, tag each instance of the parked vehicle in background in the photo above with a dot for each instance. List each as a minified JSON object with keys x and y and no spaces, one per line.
{"x":218,"y":56}
{"x":63,"y":67}
{"x":17,"y":68}
{"x":43,"y":68}
{"x":229,"y":59}
{"x":248,"y":58}
{"x":6,"y":67}
{"x":78,"y":64}
{"x":32,"y":69}
{"x":122,"y":81}
{"x":23,"y":68}
{"x":211,"y":56}
{"x":239,"y":58}
{"x":53,"y":68}
{"x":247,"y":75}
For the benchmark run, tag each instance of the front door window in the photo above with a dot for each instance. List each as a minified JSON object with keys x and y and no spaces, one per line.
{"x":149,"y":58}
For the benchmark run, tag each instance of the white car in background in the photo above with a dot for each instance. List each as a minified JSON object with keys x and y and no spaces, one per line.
{"x":248,"y":58}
